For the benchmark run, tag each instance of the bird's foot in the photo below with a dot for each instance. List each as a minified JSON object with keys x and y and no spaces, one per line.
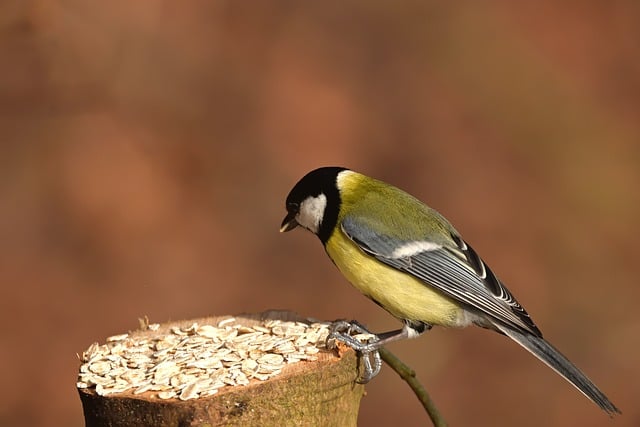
{"x":362,"y":341}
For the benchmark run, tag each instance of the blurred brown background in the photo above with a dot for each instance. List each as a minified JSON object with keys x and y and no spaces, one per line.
{"x":147,"y":148}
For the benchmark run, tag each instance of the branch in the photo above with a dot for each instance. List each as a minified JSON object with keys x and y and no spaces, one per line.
{"x":409,"y":375}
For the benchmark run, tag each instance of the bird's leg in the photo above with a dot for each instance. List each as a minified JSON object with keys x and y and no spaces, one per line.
{"x":353,"y":334}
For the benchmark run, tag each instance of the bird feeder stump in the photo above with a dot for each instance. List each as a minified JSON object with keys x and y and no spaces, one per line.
{"x":317,"y":392}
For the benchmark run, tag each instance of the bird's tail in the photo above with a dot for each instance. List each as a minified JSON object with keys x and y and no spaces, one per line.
{"x":556,"y":361}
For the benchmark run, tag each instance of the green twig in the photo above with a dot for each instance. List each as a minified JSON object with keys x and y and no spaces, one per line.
{"x":409,"y":375}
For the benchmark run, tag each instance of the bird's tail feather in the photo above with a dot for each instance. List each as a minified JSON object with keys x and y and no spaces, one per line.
{"x":556,"y":361}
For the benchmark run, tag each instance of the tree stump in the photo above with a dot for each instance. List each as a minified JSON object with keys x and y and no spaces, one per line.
{"x":309,"y":392}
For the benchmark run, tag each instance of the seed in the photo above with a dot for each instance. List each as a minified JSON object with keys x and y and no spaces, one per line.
{"x":189,"y":392}
{"x":115,"y":338}
{"x":167,"y":394}
{"x":208,"y":331}
{"x":100,"y":367}
{"x":226,"y":322}
{"x":197,"y":360}
{"x":271,"y":359}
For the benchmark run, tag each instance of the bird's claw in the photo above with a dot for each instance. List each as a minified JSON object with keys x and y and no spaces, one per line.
{"x":362,"y":341}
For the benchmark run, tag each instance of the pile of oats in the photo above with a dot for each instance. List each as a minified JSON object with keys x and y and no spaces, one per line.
{"x":197,"y":360}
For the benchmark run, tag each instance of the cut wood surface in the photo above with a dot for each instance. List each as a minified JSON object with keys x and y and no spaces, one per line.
{"x":318,"y":392}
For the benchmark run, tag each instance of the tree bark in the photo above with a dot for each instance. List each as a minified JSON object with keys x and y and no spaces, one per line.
{"x":321,"y":392}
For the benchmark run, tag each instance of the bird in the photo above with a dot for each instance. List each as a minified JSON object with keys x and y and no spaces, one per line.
{"x":408,"y":259}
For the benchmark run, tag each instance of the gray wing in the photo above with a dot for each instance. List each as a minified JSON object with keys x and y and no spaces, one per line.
{"x":456,"y":271}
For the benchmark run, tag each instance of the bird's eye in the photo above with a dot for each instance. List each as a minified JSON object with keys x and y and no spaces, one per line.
{"x":292,"y":207}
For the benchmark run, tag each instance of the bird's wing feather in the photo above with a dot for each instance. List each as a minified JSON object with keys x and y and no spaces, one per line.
{"x":455,"y":270}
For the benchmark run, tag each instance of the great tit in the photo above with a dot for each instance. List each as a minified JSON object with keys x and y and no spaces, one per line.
{"x":410,"y":261}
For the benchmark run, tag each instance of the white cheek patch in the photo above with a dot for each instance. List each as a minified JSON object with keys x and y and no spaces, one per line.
{"x":311,"y":212}
{"x":412,"y":248}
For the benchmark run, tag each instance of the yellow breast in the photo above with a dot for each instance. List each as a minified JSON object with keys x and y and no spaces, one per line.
{"x":399,"y":293}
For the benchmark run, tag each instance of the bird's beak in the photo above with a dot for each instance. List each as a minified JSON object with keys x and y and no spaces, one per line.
{"x":289,"y":222}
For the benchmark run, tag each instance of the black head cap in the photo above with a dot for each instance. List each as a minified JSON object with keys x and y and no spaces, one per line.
{"x":318,"y":181}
